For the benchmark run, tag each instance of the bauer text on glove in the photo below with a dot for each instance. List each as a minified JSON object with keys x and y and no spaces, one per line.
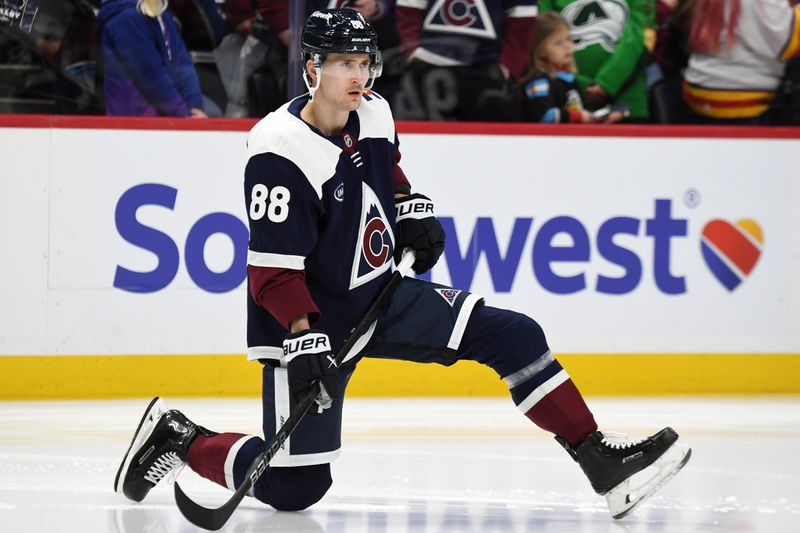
{"x":309,"y":357}
{"x":417,"y":228}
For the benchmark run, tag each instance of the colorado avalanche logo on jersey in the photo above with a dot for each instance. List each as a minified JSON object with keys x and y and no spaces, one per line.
{"x":375,"y":240}
{"x":449,"y":295}
{"x":596,"y":22}
{"x":468,"y":17}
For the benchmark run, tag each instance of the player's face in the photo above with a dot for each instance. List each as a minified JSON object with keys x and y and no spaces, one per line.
{"x":558,"y":48}
{"x":343,"y":78}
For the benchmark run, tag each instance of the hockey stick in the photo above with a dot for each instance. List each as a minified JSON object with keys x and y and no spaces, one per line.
{"x":214,"y":519}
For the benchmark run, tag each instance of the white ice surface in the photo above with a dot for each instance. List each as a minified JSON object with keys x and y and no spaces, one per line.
{"x":419,"y":465}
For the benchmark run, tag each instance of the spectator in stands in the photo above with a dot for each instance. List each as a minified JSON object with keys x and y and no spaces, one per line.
{"x":200,"y":22}
{"x":671,"y":53}
{"x":461,"y":55}
{"x":148,"y":71}
{"x":610,"y":49}
{"x":739,"y":50}
{"x":549,"y":88}
{"x":668,"y":61}
{"x":239,"y":55}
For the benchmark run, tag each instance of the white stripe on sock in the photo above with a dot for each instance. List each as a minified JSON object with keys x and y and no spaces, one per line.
{"x":543,"y":390}
{"x":228,"y":469}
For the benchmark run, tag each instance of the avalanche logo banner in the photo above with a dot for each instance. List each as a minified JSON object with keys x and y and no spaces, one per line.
{"x":732,"y":251}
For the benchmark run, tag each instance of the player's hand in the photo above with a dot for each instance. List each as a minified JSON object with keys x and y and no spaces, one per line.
{"x":418,"y":229}
{"x":309,"y":357}
{"x":596,"y":95}
{"x":614,"y":117}
{"x":371,"y":9}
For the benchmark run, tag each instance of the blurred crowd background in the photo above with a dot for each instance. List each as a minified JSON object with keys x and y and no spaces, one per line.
{"x":551,"y":61}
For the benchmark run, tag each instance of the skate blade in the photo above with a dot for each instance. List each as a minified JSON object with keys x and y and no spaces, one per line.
{"x":622,"y":500}
{"x":143,"y":431}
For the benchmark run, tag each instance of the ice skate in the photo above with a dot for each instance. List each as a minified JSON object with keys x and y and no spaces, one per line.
{"x":159,"y":446}
{"x":610,"y":460}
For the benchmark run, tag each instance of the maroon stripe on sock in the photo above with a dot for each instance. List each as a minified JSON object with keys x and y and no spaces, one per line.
{"x":207,"y":455}
{"x":564,"y":413}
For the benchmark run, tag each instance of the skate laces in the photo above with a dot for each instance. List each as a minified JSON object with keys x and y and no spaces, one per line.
{"x":168,"y":463}
{"x":619,"y":441}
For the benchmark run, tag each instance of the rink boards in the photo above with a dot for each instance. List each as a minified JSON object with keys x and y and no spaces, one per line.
{"x":658,"y":261}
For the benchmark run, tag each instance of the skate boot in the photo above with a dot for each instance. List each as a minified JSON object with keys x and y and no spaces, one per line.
{"x":159,"y":446}
{"x":610,"y":460}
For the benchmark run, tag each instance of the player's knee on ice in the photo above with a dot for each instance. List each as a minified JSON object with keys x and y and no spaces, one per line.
{"x":293,"y":488}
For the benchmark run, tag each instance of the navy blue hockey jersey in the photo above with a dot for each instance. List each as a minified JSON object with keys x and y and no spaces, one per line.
{"x":320,"y":209}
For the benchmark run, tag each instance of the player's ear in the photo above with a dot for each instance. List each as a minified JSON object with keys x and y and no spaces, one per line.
{"x":310,"y":70}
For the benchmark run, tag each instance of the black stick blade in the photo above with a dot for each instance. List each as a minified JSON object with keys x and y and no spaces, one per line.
{"x":211,"y":519}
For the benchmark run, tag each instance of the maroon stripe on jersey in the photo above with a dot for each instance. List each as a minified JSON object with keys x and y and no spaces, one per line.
{"x":564,"y":413}
{"x":283,"y":292}
{"x":207,"y":455}
{"x":398,"y":176}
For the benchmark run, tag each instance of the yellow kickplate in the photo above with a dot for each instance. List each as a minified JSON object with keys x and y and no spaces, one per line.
{"x":131,"y":376}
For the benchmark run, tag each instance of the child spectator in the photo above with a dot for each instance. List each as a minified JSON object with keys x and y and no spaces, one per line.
{"x":550,"y":91}
{"x":610,"y":51}
{"x":148,"y":71}
{"x":739,"y":50}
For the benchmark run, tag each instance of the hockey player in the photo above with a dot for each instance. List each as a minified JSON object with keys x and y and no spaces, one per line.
{"x":328,"y":207}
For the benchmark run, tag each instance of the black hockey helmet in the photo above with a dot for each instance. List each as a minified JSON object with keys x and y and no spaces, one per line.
{"x":342,"y":31}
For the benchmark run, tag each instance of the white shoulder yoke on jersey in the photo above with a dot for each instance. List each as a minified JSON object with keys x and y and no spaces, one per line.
{"x":375,"y":118}
{"x":283,"y":134}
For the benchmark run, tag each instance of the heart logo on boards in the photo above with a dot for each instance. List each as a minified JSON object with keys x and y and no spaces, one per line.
{"x":732,"y":251}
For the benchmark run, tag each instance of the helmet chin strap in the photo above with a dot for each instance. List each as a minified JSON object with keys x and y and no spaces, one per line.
{"x":307,"y":81}
{"x":315,"y":58}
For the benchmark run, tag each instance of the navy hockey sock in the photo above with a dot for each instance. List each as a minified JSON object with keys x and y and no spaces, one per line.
{"x":514,"y":345}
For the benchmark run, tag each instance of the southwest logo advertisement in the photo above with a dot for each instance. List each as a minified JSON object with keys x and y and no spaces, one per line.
{"x":605,"y":257}
{"x":732,"y":251}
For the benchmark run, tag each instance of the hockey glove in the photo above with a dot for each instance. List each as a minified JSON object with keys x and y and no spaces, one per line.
{"x":418,"y":229}
{"x":309,"y":357}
